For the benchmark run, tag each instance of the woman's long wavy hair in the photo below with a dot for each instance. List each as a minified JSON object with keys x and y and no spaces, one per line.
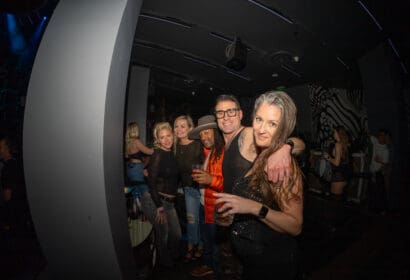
{"x":344,"y":141}
{"x":132,"y":133}
{"x":158,"y":127}
{"x":281,"y":192}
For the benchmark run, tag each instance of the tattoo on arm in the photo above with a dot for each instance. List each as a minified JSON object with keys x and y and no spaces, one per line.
{"x":240,"y":141}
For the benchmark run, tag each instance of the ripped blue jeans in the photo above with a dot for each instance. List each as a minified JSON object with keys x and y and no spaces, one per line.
{"x":192,"y":203}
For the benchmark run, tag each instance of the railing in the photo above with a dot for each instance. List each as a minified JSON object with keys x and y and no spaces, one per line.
{"x":357,"y":186}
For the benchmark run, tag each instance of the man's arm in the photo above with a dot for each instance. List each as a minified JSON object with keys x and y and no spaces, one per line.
{"x":298,"y":145}
{"x":278,"y":165}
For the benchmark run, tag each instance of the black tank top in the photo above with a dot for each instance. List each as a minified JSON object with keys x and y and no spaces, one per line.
{"x":138,"y":155}
{"x":234,"y":164}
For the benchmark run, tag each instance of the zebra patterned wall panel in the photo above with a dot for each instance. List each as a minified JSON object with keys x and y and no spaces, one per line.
{"x":336,"y":106}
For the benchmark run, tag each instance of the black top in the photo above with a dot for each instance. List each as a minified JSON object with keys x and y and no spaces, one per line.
{"x":138,"y":155}
{"x":162,"y":175}
{"x":234,"y":164}
{"x":343,"y":171}
{"x":254,"y":236}
{"x":187,"y":155}
{"x":12,"y":177}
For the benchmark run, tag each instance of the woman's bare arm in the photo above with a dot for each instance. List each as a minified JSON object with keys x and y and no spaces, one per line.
{"x":288,"y":220}
{"x":140,"y":146}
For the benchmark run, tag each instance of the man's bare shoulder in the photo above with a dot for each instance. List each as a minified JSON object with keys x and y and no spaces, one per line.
{"x":248,"y":132}
{"x":246,"y":137}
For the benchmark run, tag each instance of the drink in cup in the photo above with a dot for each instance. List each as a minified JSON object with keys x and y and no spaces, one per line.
{"x":220,"y":217}
{"x":196,"y":166}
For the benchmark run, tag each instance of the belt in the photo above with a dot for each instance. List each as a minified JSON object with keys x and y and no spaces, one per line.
{"x":166,"y":198}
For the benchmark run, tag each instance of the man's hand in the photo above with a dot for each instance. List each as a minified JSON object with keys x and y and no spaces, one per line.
{"x":201,"y":177}
{"x":145,"y":172}
{"x":278,"y":165}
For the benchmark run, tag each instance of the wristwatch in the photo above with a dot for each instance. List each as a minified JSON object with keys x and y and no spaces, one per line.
{"x":291,"y":144}
{"x":263,"y":212}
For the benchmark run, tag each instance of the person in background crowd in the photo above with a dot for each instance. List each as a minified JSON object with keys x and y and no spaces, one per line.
{"x":187,"y":153}
{"x":380,"y":159}
{"x":267,"y":214}
{"x":16,"y":209}
{"x":158,"y":202}
{"x":211,"y":181}
{"x":135,"y":153}
{"x":390,"y":176}
{"x":1,"y":168}
{"x":340,"y":162}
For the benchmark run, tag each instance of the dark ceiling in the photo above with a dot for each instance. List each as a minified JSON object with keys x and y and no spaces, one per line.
{"x":288,"y":42}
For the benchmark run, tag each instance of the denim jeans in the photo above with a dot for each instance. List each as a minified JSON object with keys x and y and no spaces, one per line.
{"x":135,"y":173}
{"x":211,"y":251}
{"x":168,"y":234}
{"x":192,"y":203}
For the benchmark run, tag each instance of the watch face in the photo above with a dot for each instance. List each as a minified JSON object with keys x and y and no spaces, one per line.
{"x":263,"y":212}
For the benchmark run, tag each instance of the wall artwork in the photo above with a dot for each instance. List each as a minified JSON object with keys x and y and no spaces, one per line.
{"x":337,"y":106}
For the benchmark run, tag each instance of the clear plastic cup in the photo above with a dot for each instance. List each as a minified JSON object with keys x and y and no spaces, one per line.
{"x":221,"y":218}
{"x":196,"y":166}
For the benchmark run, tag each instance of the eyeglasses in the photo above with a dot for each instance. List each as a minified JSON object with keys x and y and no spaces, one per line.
{"x":220,"y":114}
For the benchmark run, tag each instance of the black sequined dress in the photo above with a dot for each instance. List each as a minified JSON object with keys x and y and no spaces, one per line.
{"x":265,"y":253}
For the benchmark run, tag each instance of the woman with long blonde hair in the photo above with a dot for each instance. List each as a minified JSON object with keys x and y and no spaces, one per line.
{"x":267,"y":215}
{"x":158,"y":203}
{"x":189,"y":152}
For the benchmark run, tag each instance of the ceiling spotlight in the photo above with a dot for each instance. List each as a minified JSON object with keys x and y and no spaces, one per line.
{"x":211,"y":88}
{"x":296,"y":58}
{"x":275,"y":75}
{"x":282,"y":57}
{"x":193,"y":93}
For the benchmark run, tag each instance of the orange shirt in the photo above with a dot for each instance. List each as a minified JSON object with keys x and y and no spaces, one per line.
{"x":215,"y":169}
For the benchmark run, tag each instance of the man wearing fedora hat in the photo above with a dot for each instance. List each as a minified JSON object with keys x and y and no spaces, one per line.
{"x":212,"y":181}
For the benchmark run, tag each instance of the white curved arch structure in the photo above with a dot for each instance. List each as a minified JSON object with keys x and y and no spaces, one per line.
{"x":73,"y":133}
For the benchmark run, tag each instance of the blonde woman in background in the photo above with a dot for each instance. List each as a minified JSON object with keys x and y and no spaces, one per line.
{"x":340,"y":162}
{"x":135,"y":154}
{"x":187,"y":153}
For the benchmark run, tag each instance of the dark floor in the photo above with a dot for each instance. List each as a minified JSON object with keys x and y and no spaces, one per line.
{"x":340,"y":240}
